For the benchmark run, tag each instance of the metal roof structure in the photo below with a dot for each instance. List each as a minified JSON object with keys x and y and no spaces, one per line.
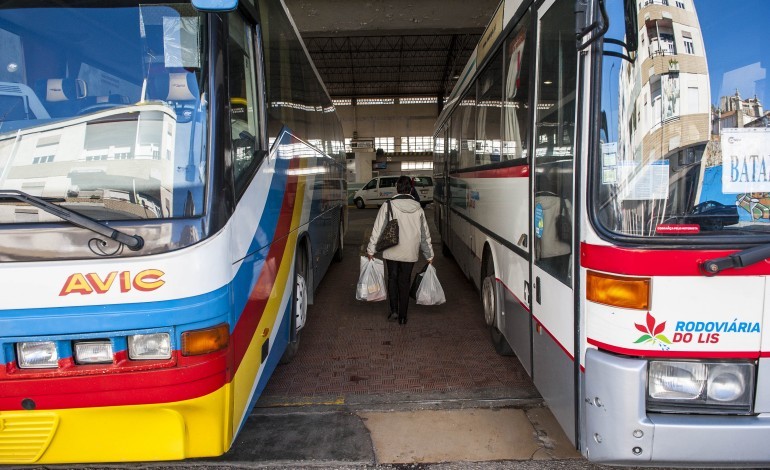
{"x":390,"y":48}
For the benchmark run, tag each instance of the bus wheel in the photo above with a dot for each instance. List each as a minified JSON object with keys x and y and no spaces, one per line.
{"x":360,"y":203}
{"x":340,"y":242}
{"x":491,"y":310}
{"x":299,"y":306}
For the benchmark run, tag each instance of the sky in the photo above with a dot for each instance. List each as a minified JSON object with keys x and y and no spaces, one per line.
{"x":737,"y":50}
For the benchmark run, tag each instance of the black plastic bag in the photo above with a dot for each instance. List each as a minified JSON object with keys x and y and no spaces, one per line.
{"x":416,"y":282}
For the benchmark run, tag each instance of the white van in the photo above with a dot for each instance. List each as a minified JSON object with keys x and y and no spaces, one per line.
{"x":382,"y":188}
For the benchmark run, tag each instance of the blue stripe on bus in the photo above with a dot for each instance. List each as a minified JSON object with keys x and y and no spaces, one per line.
{"x":41,"y":324}
{"x":248,"y":273}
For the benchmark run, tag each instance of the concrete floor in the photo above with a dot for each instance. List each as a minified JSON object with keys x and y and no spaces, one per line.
{"x":364,"y":391}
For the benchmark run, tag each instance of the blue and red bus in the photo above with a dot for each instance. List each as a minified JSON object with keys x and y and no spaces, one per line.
{"x":171,"y":194}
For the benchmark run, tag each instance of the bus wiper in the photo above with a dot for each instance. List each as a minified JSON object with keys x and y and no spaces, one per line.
{"x":740,"y":259}
{"x":133,"y":242}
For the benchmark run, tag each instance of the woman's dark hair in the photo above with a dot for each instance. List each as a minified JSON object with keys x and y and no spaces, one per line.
{"x":404,"y":185}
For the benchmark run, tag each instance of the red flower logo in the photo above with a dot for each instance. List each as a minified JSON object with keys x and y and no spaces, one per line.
{"x":652,"y":333}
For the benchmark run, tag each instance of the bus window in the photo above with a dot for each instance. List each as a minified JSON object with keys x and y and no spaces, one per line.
{"x":516,"y":93}
{"x":489,"y":113}
{"x":243,"y":101}
{"x":686,"y":126}
{"x":467,"y":119}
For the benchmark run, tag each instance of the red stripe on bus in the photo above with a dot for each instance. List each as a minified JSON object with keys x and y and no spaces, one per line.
{"x":555,"y":340}
{"x":675,"y":354}
{"x":521,"y":171}
{"x":516,"y":298}
{"x":193,"y":378}
{"x":652,"y":262}
{"x":252,"y":313}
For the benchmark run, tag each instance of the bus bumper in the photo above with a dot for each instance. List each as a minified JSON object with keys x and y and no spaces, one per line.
{"x":618,"y":430}
{"x":163,"y":431}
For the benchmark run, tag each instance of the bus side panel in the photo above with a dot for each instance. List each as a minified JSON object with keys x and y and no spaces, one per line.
{"x":263,"y":282}
{"x":551,"y":363}
{"x":515,"y":320}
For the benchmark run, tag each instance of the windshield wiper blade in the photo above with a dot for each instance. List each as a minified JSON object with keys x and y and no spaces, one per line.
{"x":740,"y":259}
{"x":133,"y":242}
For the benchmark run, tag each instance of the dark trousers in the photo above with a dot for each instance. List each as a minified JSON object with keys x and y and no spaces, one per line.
{"x":399,"y":281}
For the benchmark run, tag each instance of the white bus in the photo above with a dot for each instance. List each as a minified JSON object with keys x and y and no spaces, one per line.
{"x":602,"y":175}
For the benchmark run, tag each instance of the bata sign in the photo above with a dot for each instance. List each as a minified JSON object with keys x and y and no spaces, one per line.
{"x":745,"y":160}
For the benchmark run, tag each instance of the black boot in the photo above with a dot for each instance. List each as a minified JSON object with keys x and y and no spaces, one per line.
{"x":402,"y":320}
{"x":393,"y":316}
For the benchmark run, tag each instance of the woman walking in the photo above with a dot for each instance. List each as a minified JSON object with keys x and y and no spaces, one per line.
{"x":413,"y":237}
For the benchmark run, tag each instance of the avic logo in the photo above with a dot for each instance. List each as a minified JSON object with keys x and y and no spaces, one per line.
{"x":84,"y":284}
{"x":653,"y":333}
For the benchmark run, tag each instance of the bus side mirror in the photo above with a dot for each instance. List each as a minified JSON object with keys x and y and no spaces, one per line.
{"x":215,"y":5}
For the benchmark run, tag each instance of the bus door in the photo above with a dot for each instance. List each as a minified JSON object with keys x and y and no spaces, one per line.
{"x":552,"y":301}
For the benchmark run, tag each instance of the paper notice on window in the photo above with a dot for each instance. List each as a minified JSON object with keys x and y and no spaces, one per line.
{"x":610,"y":163}
{"x":745,"y":160}
{"x":646,"y":183}
{"x":180,"y":42}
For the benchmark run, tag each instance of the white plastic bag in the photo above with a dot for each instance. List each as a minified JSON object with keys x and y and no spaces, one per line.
{"x":371,"y":282}
{"x":430,"y":291}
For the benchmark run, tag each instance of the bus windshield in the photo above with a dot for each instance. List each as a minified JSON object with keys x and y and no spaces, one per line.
{"x":101,"y":109}
{"x":685,"y":139}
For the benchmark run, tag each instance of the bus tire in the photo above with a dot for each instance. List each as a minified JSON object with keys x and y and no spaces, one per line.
{"x":492,"y":309}
{"x":338,"y":255}
{"x":299,"y":297}
{"x":360,"y":203}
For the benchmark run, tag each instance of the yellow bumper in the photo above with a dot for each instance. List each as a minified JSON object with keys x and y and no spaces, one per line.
{"x":166,"y":431}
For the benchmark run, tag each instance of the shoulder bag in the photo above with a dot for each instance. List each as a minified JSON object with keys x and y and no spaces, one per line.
{"x":389,"y":235}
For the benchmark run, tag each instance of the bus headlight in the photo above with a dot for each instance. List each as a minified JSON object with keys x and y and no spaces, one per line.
{"x":37,"y":355}
{"x":149,"y":346}
{"x":700,"y":387}
{"x":93,"y":352}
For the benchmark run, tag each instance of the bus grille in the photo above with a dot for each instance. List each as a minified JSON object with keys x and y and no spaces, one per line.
{"x":24,"y":437}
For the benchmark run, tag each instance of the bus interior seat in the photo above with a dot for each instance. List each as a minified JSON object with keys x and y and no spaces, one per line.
{"x":550,"y":244}
{"x":62,"y":97}
{"x":179,"y":89}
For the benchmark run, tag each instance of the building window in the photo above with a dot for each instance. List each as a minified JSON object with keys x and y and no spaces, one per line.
{"x":417,"y":100}
{"x":680,"y":5}
{"x":405,"y":166}
{"x":387,"y":144}
{"x":43,"y":159}
{"x":689,"y":47}
{"x":417,"y":144}
{"x":348,"y":145}
{"x":375,"y":101}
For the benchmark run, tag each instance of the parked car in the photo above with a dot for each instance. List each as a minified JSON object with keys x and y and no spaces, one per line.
{"x":382,"y":188}
{"x":709,"y":215}
{"x":424,"y":187}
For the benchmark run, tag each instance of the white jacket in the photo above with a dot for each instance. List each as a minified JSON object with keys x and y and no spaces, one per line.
{"x":413,"y":232}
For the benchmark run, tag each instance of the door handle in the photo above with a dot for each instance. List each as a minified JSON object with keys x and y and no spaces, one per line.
{"x":527,"y":292}
{"x":537,"y":289}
